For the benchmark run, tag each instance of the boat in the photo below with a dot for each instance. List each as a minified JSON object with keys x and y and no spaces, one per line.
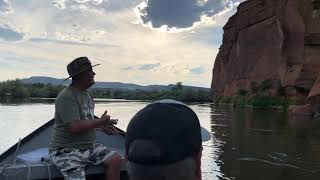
{"x":29,"y":159}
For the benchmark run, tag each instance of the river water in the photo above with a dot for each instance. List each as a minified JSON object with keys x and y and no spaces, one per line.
{"x":246,"y":144}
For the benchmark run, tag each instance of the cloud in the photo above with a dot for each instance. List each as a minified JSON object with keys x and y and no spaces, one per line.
{"x":5,"y":6}
{"x":198,"y":70}
{"x":147,"y":67}
{"x":105,"y":5}
{"x":144,"y":67}
{"x":176,"y":14}
{"x":25,"y":62}
{"x":59,"y":4}
{"x":14,"y":65}
{"x":9,"y":34}
{"x":128,"y":68}
{"x":53,"y":36}
{"x":62,"y":4}
{"x":75,"y":43}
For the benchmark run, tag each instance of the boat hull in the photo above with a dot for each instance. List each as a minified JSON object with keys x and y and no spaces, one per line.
{"x":11,"y":167}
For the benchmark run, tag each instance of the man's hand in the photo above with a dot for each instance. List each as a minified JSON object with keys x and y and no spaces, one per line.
{"x":78,"y":126}
{"x":107,"y":125}
{"x":104,"y":119}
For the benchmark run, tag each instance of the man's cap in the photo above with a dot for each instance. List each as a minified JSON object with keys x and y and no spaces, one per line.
{"x":164,"y":132}
{"x":78,"y":66}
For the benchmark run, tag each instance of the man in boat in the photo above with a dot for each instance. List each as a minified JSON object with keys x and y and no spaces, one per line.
{"x":164,"y":142}
{"x":72,"y":144}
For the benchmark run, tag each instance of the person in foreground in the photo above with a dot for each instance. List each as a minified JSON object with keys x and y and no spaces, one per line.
{"x":72,"y":144}
{"x":164,"y":142}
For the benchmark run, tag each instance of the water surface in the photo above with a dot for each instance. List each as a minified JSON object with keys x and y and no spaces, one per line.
{"x":246,"y":144}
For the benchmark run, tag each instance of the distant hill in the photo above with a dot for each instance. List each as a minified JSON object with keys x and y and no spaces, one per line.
{"x":105,"y":85}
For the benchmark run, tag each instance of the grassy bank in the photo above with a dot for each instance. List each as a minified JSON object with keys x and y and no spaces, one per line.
{"x":256,"y":101}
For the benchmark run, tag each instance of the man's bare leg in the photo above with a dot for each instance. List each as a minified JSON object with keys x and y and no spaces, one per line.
{"x":112,"y":167}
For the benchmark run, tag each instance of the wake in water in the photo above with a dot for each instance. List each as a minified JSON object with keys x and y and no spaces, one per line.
{"x":282,"y":160}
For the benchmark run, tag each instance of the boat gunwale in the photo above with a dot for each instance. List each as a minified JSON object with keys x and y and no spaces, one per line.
{"x":26,"y":139}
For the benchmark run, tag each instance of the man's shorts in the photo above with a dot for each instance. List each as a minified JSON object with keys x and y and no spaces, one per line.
{"x":71,"y":162}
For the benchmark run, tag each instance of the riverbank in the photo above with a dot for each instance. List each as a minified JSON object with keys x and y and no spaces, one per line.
{"x":16,"y":89}
{"x":257,"y":101}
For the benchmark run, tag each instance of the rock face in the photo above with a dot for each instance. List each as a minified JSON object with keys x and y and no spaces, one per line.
{"x":275,"y":40}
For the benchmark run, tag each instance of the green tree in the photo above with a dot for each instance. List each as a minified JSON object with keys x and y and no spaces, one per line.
{"x":179,"y":85}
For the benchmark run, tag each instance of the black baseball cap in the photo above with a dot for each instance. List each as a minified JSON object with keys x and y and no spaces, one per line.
{"x":164,"y":132}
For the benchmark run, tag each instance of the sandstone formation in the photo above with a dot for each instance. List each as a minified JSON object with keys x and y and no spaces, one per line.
{"x":275,"y":40}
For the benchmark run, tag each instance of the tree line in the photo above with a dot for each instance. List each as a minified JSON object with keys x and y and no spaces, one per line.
{"x":259,"y":96}
{"x":18,"y":89}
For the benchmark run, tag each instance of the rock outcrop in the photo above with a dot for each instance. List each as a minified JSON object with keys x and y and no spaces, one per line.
{"x":275,"y":40}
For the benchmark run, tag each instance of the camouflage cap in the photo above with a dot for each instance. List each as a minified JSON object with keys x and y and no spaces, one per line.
{"x":79,"y":65}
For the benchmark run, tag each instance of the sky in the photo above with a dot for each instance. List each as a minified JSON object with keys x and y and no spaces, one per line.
{"x":136,"y":41}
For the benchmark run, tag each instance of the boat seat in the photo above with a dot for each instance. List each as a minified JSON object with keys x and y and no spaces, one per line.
{"x":35,"y":156}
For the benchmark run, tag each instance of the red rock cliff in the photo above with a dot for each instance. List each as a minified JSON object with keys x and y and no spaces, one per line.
{"x":277,"y":40}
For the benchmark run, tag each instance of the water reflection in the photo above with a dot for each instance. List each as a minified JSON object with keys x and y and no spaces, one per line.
{"x":258,"y":144}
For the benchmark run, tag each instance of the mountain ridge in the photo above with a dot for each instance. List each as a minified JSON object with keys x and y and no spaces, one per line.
{"x":106,"y":85}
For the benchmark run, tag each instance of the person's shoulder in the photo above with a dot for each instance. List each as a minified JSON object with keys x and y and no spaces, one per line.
{"x":66,"y":93}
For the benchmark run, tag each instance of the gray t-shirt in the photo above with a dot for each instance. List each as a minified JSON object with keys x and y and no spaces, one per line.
{"x":72,"y":104}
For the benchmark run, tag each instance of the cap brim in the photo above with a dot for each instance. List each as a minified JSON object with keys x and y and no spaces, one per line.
{"x":81,"y":71}
{"x":205,"y":135}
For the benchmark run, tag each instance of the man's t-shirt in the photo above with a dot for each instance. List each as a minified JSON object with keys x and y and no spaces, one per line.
{"x":72,"y":104}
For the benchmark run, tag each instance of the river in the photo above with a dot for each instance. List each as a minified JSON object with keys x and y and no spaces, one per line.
{"x":246,"y":144}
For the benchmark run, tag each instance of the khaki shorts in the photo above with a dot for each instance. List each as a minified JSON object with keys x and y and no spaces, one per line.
{"x":71,"y":162}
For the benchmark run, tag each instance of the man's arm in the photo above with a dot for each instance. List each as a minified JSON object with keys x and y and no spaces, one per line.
{"x":79,"y":126}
